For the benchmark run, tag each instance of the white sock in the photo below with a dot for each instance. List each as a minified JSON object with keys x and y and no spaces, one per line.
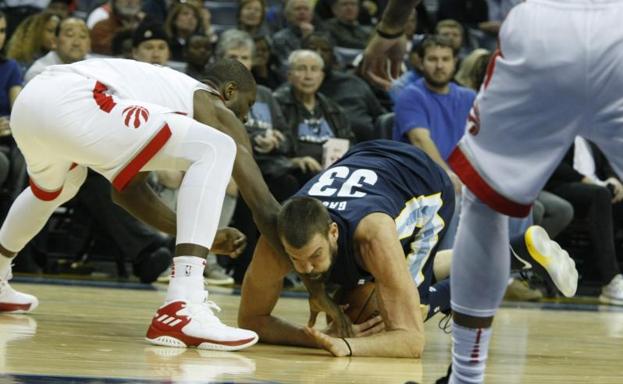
{"x":186,"y":279}
{"x":469,"y":354}
{"x":5,"y":266}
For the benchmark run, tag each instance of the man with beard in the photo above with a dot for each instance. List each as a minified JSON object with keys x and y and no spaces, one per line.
{"x":378,"y":214}
{"x":431,"y":113}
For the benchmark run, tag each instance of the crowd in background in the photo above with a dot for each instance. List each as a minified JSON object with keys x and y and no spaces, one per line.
{"x":311,"y":105}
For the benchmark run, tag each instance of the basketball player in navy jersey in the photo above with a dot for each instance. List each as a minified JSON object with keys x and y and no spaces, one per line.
{"x":376,"y":214}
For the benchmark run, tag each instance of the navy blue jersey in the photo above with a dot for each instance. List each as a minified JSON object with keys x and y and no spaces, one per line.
{"x":393,"y":178}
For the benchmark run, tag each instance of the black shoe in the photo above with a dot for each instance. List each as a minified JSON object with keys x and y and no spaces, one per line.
{"x":150,"y":266}
{"x":446,"y":378}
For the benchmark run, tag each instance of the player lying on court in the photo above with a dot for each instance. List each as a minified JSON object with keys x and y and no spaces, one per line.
{"x":123,"y":118}
{"x":376,"y":214}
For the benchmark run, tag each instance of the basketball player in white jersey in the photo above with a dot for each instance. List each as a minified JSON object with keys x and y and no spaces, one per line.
{"x":123,"y":118}
{"x":556,"y":75}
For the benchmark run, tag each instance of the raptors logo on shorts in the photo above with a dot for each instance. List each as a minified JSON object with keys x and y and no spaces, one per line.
{"x":135,"y":115}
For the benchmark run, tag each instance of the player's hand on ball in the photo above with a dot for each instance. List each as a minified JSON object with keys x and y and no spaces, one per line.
{"x":369,"y":327}
{"x":229,"y":241}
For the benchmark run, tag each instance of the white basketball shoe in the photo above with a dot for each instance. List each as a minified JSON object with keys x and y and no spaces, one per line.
{"x":12,"y":301}
{"x":184,"y":324}
{"x":549,"y":256}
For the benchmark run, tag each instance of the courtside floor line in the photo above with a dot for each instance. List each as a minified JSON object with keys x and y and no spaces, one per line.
{"x":56,"y":379}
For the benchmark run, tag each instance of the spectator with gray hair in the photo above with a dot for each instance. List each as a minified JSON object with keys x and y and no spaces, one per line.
{"x":299,"y":15}
{"x":312,"y":118}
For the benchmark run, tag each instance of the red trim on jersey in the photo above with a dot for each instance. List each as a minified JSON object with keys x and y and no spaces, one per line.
{"x":491,"y":67}
{"x":12,"y":307}
{"x":42,"y":194}
{"x":104,"y":101}
{"x":134,"y":166}
{"x":73,"y":165}
{"x":470,"y":177}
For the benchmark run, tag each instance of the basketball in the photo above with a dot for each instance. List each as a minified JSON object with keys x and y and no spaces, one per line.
{"x":362,"y":303}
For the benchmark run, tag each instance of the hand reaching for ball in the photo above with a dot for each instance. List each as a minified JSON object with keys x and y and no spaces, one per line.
{"x":229,"y":241}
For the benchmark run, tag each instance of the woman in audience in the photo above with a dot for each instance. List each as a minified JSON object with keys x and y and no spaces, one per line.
{"x":251,"y":17}
{"x":183,"y":21}
{"x":33,"y":38}
{"x":264,"y":64}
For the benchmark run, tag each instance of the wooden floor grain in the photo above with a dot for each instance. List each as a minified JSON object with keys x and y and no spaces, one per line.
{"x":97,"y":333}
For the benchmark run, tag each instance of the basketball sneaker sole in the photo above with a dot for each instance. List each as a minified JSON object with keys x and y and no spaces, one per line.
{"x":553,"y":259}
{"x":604,"y":299}
{"x":185,"y":341}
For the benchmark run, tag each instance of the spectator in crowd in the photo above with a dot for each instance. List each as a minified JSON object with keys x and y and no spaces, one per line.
{"x":431,"y":113}
{"x":345,"y":28}
{"x":312,"y":118}
{"x":368,"y":13}
{"x":61,"y":8}
{"x":122,"y":44}
{"x":413,"y":61}
{"x":454,"y":32}
{"x":33,"y":38}
{"x":251,"y":14}
{"x":348,"y":91}
{"x":11,"y":84}
{"x":150,"y":44}
{"x":266,"y":124}
{"x":473,"y":69}
{"x":100,"y":13}
{"x":72,"y":44}
{"x":16,"y":11}
{"x":125,"y":14}
{"x":183,"y":21}
{"x":197,"y":54}
{"x":299,"y":16}
{"x":265,"y":63}
{"x":474,"y":17}
{"x":266,"y":127}
{"x":498,"y":9}
{"x":587,"y":181}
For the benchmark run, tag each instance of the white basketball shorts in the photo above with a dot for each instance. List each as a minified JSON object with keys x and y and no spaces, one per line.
{"x":558,"y":74}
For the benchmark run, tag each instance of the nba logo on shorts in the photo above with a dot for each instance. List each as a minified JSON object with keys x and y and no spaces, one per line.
{"x":135,"y":115}
{"x":188,"y":270}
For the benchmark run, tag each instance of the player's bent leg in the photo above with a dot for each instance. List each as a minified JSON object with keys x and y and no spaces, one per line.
{"x":187,"y":318}
{"x":479,"y":275}
{"x":27,"y":216}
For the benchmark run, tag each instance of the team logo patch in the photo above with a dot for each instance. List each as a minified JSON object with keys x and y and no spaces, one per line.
{"x":135,"y":115}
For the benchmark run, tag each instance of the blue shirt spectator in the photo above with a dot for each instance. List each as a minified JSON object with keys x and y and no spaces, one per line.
{"x":444,"y":115}
{"x":10,"y":76}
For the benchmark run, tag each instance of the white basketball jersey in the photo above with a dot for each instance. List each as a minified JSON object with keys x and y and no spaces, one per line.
{"x":130,"y":79}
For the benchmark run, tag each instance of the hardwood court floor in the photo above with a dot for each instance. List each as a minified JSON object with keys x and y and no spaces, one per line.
{"x":95,"y":335}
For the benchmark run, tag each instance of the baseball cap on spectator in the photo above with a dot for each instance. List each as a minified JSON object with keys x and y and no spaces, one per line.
{"x":148,"y":31}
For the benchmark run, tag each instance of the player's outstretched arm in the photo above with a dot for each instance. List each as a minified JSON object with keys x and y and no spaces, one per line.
{"x":261,"y":287}
{"x":143,"y":203}
{"x":377,"y":242}
{"x":387,"y":43}
{"x":211,"y":111}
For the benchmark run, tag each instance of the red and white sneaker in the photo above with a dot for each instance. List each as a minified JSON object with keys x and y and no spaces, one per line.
{"x":12,"y":301}
{"x":184,"y":324}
